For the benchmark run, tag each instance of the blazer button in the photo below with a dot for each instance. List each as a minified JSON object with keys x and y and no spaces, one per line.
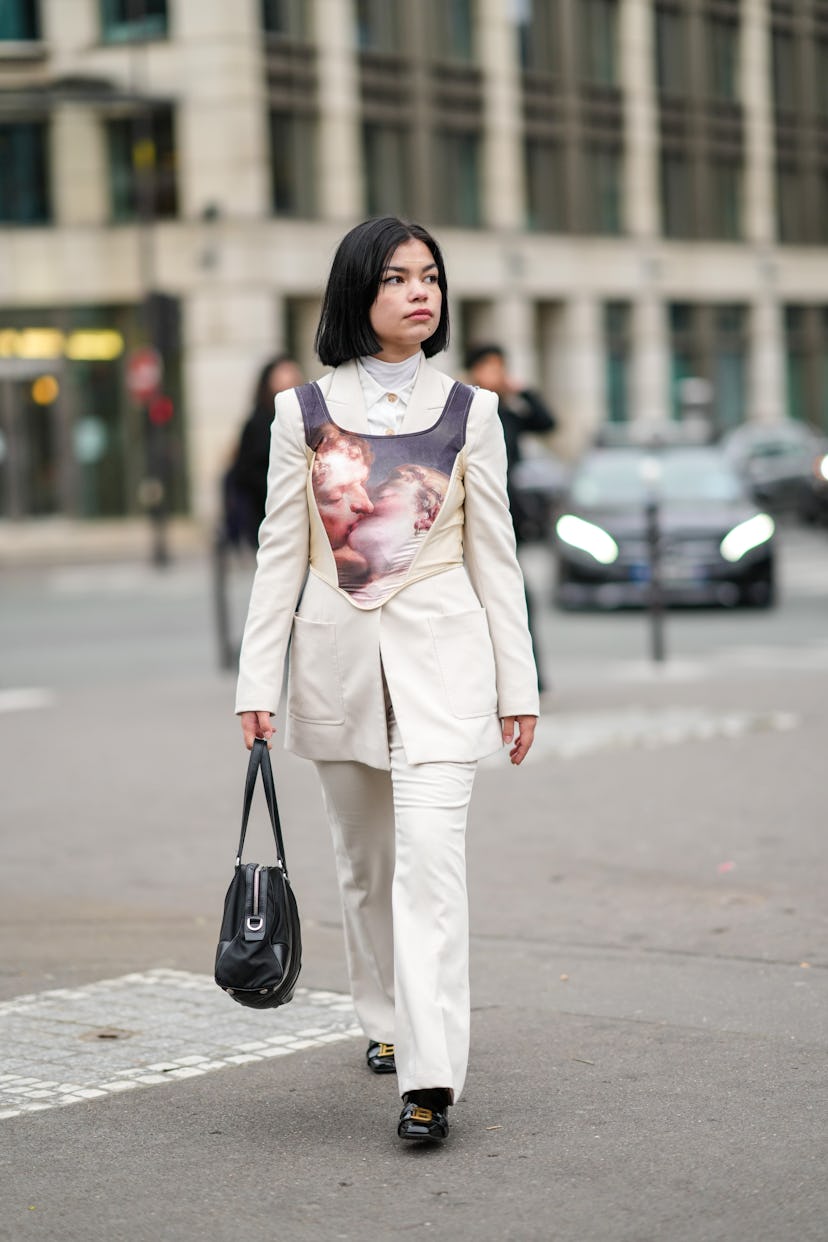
{"x":392,"y":396}
{"x":389,"y":431}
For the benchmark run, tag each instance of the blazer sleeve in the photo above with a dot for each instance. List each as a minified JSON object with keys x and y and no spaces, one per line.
{"x":491,"y":560}
{"x":282,"y":564}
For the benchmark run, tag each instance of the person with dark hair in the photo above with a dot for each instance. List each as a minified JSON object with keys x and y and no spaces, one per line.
{"x":520,"y":410}
{"x":245,"y":484}
{"x":410,"y":657}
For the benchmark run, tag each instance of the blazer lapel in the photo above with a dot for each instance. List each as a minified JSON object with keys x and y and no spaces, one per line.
{"x":344,"y":399}
{"x":431,"y":388}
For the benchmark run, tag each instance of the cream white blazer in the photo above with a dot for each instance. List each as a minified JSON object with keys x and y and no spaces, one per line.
{"x":453,"y":643}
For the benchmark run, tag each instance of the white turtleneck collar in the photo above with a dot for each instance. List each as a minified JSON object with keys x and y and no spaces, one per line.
{"x":392,"y":376}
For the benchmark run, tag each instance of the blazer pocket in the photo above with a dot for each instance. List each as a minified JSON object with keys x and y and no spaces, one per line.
{"x":314,"y":684}
{"x":466,"y":661}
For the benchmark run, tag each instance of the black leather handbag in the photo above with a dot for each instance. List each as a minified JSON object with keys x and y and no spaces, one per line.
{"x":259,"y":953}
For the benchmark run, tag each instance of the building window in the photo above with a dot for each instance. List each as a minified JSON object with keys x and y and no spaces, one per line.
{"x":602,"y":190}
{"x":725,"y":199}
{"x":286,"y":17}
{"x":671,"y":51}
{"x":293,"y":164}
{"x":684,"y":356}
{"x":729,"y":366}
{"x":19,"y":20}
{"x":784,"y":71}
{"x":617,"y":354}
{"x":796,"y":360}
{"x":722,"y":59}
{"x":822,"y":77}
{"x":457,"y":179}
{"x":545,"y":202}
{"x":536,"y":22}
{"x":598,"y":37}
{"x":790,"y":204}
{"x":676,"y":195}
{"x":378,"y":25}
{"x":24,"y":181}
{"x":142,"y":166}
{"x":125,"y":20}
{"x":451,"y":26}
{"x":385,"y":153}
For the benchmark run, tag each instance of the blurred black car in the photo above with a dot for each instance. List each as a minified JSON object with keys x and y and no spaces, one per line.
{"x":716,"y":546}
{"x":537,"y":482}
{"x":778,"y":462}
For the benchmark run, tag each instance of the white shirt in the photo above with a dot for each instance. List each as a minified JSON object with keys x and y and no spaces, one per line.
{"x":387,"y":388}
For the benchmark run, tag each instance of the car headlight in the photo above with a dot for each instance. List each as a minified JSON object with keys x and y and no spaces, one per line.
{"x":746,"y":536}
{"x":822,"y":469}
{"x":588,"y":538}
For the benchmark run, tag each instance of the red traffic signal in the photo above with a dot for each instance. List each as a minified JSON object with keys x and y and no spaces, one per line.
{"x":160,"y":410}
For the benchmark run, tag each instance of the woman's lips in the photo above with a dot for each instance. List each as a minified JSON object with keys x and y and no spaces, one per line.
{"x":420,"y":314}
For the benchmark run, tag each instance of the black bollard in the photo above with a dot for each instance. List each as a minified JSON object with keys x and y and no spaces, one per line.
{"x":656,"y":592}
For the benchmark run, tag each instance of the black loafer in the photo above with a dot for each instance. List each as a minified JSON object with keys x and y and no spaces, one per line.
{"x":417,"y":1122}
{"x":380,"y":1058}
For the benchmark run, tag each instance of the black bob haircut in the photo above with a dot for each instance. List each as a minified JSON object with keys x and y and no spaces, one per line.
{"x":360,"y":261}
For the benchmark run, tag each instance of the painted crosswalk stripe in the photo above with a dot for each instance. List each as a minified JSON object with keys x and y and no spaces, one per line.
{"x":72,"y":1045}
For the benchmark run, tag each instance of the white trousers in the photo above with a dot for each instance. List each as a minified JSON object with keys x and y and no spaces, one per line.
{"x":400,"y":844}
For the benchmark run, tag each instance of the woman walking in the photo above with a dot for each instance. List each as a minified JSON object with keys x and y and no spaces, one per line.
{"x":387,"y":561}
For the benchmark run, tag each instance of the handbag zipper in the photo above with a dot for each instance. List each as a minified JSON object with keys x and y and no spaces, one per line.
{"x":255,"y":921}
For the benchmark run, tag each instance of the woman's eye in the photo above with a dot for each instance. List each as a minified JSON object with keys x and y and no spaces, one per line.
{"x":432,"y":280}
{"x":390,"y":280}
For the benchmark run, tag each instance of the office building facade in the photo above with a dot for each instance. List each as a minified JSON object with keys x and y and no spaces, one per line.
{"x":630,"y":194}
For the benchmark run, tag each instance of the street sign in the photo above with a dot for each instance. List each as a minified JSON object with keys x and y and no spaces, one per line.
{"x":144,"y":372}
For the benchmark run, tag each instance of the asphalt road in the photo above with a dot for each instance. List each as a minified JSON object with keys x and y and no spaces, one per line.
{"x":649,"y":936}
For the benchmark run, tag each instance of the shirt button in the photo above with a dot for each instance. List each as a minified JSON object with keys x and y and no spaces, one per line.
{"x":389,"y":431}
{"x":392,"y":396}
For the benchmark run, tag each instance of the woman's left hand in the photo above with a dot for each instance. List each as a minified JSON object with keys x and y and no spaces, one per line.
{"x":525,"y":738}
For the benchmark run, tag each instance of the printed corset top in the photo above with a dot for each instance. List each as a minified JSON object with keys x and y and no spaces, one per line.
{"x":379,"y":496}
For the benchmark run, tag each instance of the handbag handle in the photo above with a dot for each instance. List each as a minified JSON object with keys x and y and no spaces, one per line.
{"x":260,"y":762}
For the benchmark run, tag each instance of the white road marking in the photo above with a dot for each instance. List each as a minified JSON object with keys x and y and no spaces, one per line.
{"x":171,"y":1025}
{"x":26,"y":699}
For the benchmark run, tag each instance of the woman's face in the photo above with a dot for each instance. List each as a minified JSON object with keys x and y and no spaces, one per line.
{"x":407,"y":307}
{"x":283,"y":376}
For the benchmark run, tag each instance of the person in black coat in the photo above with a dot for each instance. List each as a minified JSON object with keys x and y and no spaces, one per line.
{"x":245,"y":484}
{"x":520,"y":410}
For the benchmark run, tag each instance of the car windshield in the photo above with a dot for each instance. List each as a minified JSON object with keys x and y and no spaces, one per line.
{"x":679,"y":476}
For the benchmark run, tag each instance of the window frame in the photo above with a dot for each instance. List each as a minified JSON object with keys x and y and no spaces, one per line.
{"x":37,"y":181}
{"x":151,"y":28}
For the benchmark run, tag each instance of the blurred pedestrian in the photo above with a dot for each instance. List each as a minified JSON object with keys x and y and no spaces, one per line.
{"x":521,"y":410}
{"x":245,"y":484}
{"x":395,"y":692}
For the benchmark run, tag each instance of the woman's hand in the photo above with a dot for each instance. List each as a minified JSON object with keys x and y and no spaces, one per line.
{"x":526,"y":736}
{"x":256,"y":724}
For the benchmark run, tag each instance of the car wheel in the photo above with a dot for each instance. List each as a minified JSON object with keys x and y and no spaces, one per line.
{"x":761,"y":593}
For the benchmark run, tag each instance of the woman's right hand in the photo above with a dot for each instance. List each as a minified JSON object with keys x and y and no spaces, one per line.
{"x":256,"y":724}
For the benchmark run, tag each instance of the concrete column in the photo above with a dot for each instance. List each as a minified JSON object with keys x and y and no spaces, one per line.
{"x":340,"y":147}
{"x":637,"y":53}
{"x":69,"y":27}
{"x":228,"y":334}
{"x":575,"y":371}
{"x":759,"y":199}
{"x":766,"y":365}
{"x":222,"y":120}
{"x":650,"y":372}
{"x":503,"y":174}
{"x":80,"y":191}
{"x":515,"y":331}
